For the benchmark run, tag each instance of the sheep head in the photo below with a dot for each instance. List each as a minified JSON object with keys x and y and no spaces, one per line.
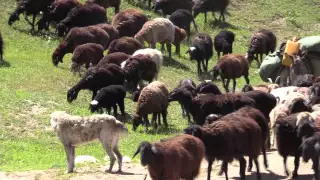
{"x":94,"y":106}
{"x":61,"y":29}
{"x":305,"y":125}
{"x":72,"y":94}
{"x":194,"y":130}
{"x":250,"y":56}
{"x":135,"y":95}
{"x":191,"y":52}
{"x":136,"y":121}
{"x":215,"y":72}
{"x":147,"y":152}
{"x":211,"y":118}
{"x":13,"y":17}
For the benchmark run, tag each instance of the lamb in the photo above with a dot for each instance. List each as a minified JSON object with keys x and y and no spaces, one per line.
{"x":126,"y":45}
{"x":1,"y":48}
{"x":205,"y":104}
{"x":108,"y":97}
{"x":96,"y":78}
{"x":156,"y":30}
{"x":204,"y":6}
{"x":168,"y":6}
{"x":74,"y":130}
{"x":129,"y":21}
{"x":107,"y":3}
{"x":153,"y":99}
{"x":29,"y":7}
{"x":228,"y":141}
{"x":88,"y":54}
{"x":140,"y":67}
{"x":58,"y":11}
{"x":231,"y":66}
{"x":262,"y":42}
{"x":182,"y":18}
{"x":175,"y":158}
{"x":81,"y":16}
{"x":201,"y":50}
{"x":155,"y":55}
{"x":261,"y":87}
{"x":207,"y":87}
{"x":223,"y":42}
{"x":78,"y":36}
{"x":114,"y":58}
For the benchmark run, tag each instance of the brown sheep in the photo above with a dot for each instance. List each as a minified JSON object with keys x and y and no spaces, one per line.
{"x":179,"y":36}
{"x":115,"y":58}
{"x":107,"y":4}
{"x":231,"y":66}
{"x":125,"y":44}
{"x":129,"y":21}
{"x":111,"y":30}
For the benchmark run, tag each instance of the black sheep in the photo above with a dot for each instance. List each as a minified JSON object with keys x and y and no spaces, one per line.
{"x":204,"y":6}
{"x":170,"y":6}
{"x":1,"y":48}
{"x":182,"y":18}
{"x":97,"y":78}
{"x":107,"y":3}
{"x":29,"y":7}
{"x":207,"y":87}
{"x":108,"y":97}
{"x":201,"y":50}
{"x":80,"y":16}
{"x":223,"y":42}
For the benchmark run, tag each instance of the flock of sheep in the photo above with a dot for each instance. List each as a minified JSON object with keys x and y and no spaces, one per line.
{"x":226,"y":126}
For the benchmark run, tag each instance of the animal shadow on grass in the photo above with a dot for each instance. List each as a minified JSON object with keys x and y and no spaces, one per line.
{"x":124,"y":173}
{"x":162,"y":130}
{"x":174,"y":63}
{"x":4,"y":63}
{"x":222,"y":25}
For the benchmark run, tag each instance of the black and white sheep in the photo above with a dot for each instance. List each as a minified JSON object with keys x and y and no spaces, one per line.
{"x":228,"y":141}
{"x":108,"y":97}
{"x":204,"y":6}
{"x":174,"y":158}
{"x":156,"y":30}
{"x":223,"y":42}
{"x":78,"y":36}
{"x":169,"y":6}
{"x":114,"y":58}
{"x":206,"y":87}
{"x":129,"y":21}
{"x":81,"y":16}
{"x":74,"y":130}
{"x":88,"y":54}
{"x":262,"y":42}
{"x":153,"y":99}
{"x":96,"y":78}
{"x":201,"y":50}
{"x":231,"y":66}
{"x":182,"y":18}
{"x":125,"y":44}
{"x":29,"y":7}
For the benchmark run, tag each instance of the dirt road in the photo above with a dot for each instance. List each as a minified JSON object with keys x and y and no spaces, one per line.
{"x":133,"y":171}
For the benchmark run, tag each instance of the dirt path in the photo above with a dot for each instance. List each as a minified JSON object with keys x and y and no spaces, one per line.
{"x":137,"y":172}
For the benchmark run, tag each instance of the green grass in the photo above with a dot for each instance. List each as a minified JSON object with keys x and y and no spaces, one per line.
{"x":31,"y":87}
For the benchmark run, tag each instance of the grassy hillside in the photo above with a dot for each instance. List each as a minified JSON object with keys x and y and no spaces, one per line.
{"x":31,"y":87}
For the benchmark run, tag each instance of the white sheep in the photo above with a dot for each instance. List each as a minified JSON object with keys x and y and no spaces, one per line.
{"x":160,"y":30}
{"x":156,"y":56}
{"x":75,"y":130}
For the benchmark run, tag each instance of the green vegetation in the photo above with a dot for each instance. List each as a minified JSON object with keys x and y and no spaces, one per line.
{"x":31,"y":87}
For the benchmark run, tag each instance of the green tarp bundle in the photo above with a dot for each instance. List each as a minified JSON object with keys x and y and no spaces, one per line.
{"x":310,"y":43}
{"x":270,"y":64}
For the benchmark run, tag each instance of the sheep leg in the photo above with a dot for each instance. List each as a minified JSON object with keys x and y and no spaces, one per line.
{"x":199,"y":68}
{"x":234,"y":85}
{"x":265,"y":160}
{"x":203,"y":66}
{"x":146,"y":122}
{"x":210,"y":162}
{"x":188,"y":31}
{"x":70,"y":152}
{"x":94,"y":93}
{"x":227,"y":85}
{"x":296,"y":165}
{"x":247,"y":79}
{"x":225,"y":169}
{"x":116,"y":9}
{"x":108,"y":149}
{"x":154,"y":120}
{"x":183,"y":111}
{"x":109,"y":110}
{"x":177,"y":49}
{"x":164,"y":117}
{"x":218,"y":54}
{"x":257,"y":167}
{"x":205,"y":17}
{"x":250,"y":165}
{"x":315,"y":166}
{"x":115,"y":110}
{"x":242,"y":162}
{"x":122,"y":107}
{"x":207,"y":65}
{"x":119,"y":157}
{"x":169,"y":49}
{"x":159,"y":118}
{"x":286,"y":171}
{"x":261,"y":56}
{"x":162,"y":47}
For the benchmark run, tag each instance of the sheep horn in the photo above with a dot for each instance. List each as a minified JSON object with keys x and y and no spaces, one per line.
{"x":277,"y":81}
{"x":270,"y":80}
{"x":137,"y":152}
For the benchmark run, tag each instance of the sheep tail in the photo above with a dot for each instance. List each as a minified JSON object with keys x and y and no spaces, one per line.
{"x":195,"y":25}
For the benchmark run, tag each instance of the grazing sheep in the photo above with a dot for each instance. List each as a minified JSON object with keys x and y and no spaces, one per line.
{"x":96,"y":78}
{"x":231,"y":66}
{"x":262,"y":42}
{"x":81,"y":16}
{"x":110,"y":30}
{"x":108,"y":97}
{"x":228,"y":141}
{"x":29,"y":7}
{"x":260,"y":87}
{"x":78,"y":36}
{"x":129,"y":21}
{"x":168,"y":6}
{"x":107,"y":3}
{"x":156,"y":30}
{"x":201,"y":50}
{"x":155,"y":55}
{"x":175,"y":158}
{"x":75,"y":130}
{"x":204,"y":6}
{"x":114,"y":58}
{"x":205,"y":104}
{"x":153,"y":99}
{"x":140,"y":67}
{"x":58,"y":11}
{"x":88,"y":54}
{"x":182,"y":18}
{"x":223,"y":42}
{"x":126,"y":45}
{"x":1,"y":48}
{"x":207,"y":87}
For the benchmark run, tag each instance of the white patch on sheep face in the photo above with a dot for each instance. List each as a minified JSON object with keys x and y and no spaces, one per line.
{"x":246,"y":56}
{"x":94,"y":102}
{"x":208,"y":80}
{"x":123,"y":64}
{"x":192,"y":48}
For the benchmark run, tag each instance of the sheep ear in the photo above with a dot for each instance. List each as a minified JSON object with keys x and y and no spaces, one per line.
{"x":137,"y":152}
{"x":246,"y":56}
{"x":154,"y":150}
